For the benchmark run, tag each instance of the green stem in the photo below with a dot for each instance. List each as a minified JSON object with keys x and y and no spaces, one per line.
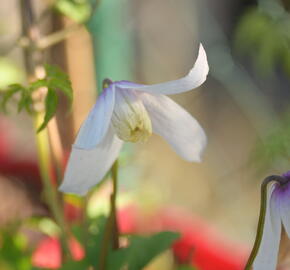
{"x":43,"y":151}
{"x":111,"y":233}
{"x":262,"y":215}
{"x":105,"y":243}
{"x":115,"y":232}
{"x":34,"y":60}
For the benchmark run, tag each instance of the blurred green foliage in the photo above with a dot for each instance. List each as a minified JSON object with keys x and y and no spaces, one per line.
{"x":10,"y":72}
{"x":141,"y":250}
{"x":139,"y":253}
{"x":274,"y":150}
{"x":266,"y":38}
{"x":186,"y":267}
{"x":13,"y":251}
{"x":54,"y":80}
{"x":77,"y":10}
{"x":263,"y":33}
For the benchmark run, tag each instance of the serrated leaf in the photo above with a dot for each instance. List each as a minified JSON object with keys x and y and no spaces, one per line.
{"x":144,"y":249}
{"x":25,"y":101}
{"x":38,"y":83}
{"x":51,"y":101}
{"x":58,"y":80}
{"x":9,"y":93}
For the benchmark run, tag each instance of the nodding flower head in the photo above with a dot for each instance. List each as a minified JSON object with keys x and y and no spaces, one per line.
{"x":277,"y":216}
{"x":286,"y":175}
{"x":126,"y":111}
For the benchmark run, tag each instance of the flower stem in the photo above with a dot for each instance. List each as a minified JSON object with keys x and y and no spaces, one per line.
{"x":111,"y":232}
{"x":115,"y":232}
{"x":262,"y":215}
{"x":105,"y":243}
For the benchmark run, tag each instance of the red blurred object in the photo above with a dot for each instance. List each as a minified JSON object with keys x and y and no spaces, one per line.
{"x":128,"y":219}
{"x":199,"y":244}
{"x":72,"y":213}
{"x":48,"y":253}
{"x":4,"y":142}
{"x":26,"y":170}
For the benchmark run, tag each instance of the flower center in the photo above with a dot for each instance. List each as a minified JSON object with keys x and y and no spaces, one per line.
{"x":130,"y":118}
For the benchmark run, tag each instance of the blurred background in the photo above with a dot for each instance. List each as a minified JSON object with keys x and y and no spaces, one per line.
{"x":243,"y":106}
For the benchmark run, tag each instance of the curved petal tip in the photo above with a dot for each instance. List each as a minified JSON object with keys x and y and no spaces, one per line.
{"x":196,"y":77}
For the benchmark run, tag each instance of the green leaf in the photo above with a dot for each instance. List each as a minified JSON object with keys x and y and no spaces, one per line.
{"x":51,"y":101}
{"x":38,"y":83}
{"x":75,"y":265}
{"x":54,"y":80}
{"x":143,"y":249}
{"x":117,"y":259}
{"x":13,"y":250}
{"x":58,"y":80}
{"x":94,"y":242}
{"x":137,"y":255}
{"x":25,"y":101}
{"x":7,"y":94}
{"x":186,"y":267}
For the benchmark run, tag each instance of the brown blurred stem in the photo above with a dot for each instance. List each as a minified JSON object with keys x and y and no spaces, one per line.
{"x":57,"y":37}
{"x":111,"y":232}
{"x":115,"y":229}
{"x":263,"y":207}
{"x":113,"y":211}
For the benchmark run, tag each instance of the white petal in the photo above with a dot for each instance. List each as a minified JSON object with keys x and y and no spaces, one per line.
{"x":193,"y":79}
{"x":284,"y":204}
{"x":268,"y":252}
{"x":176,"y":126}
{"x":96,"y":124}
{"x":87,"y":168}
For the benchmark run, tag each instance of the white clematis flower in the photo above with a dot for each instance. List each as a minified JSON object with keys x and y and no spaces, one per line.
{"x":131,"y":112}
{"x":277,"y":215}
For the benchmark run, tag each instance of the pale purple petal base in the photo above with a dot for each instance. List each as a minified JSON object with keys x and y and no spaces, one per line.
{"x":97,"y":122}
{"x":282,"y":198}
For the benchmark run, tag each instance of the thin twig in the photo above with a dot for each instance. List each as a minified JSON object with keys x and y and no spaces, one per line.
{"x":56,"y":37}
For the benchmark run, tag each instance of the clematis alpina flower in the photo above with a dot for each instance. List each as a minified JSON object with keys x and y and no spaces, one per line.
{"x":130,"y":112}
{"x":277,"y":215}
